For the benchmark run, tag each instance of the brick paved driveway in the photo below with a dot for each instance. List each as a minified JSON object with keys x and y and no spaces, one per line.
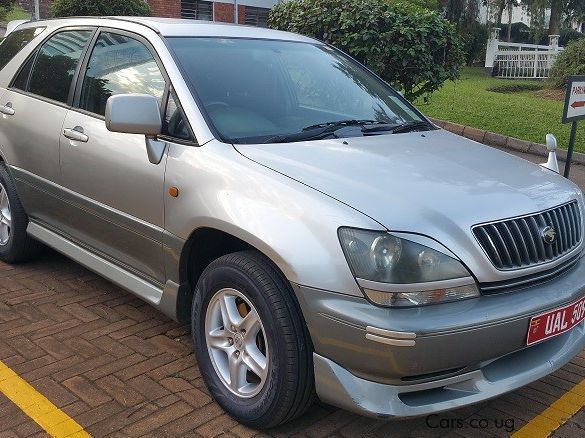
{"x":120,"y":368}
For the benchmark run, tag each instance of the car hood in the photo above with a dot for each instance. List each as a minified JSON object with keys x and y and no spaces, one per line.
{"x":432,"y":183}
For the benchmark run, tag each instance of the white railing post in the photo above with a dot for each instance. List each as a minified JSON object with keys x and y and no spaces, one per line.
{"x":492,"y":49}
{"x":535,"y":74}
{"x":553,"y":44}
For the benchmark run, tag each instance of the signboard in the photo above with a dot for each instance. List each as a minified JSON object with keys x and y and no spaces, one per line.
{"x":575,"y":100}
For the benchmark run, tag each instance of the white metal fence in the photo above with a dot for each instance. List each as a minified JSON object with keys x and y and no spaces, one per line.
{"x":520,"y":61}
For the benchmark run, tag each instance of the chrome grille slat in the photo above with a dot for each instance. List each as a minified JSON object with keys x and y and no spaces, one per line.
{"x":532,"y":248}
{"x":560,"y":224}
{"x":519,"y":242}
{"x":520,"y":239}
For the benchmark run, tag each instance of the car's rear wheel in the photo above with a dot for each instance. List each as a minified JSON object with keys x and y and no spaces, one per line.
{"x":251,"y":342}
{"x":15,"y":244}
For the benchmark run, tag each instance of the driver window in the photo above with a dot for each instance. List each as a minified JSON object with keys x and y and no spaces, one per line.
{"x":119,"y":65}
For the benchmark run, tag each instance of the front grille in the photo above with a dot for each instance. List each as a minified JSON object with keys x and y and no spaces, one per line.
{"x":541,"y":277}
{"x":519,"y":242}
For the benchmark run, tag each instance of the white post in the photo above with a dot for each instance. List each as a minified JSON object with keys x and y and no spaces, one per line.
{"x":553,"y":43}
{"x":236,"y":12}
{"x":553,"y":47}
{"x":492,"y":49}
{"x":37,"y":12}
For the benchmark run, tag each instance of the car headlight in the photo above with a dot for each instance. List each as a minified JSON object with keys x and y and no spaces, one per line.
{"x":397,"y":272}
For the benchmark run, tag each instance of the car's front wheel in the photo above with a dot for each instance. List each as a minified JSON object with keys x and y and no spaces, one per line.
{"x":251,"y":342}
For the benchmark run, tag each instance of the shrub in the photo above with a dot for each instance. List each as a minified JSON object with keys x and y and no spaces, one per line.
{"x":413,"y":49}
{"x":475,"y":37}
{"x":567,"y":35}
{"x":69,"y":8}
{"x":569,"y":62}
{"x":5,"y":7}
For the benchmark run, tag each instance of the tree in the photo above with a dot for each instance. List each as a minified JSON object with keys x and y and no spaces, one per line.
{"x":559,"y":9}
{"x":68,"y":8}
{"x":414,"y":49}
{"x":556,"y":13}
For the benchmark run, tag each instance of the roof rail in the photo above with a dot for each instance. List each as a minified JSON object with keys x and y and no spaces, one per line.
{"x":128,"y":20}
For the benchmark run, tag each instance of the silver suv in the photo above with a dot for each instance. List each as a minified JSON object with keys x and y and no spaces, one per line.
{"x":320,"y":234}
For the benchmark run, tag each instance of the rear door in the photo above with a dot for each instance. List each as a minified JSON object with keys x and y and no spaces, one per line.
{"x":32,"y":114}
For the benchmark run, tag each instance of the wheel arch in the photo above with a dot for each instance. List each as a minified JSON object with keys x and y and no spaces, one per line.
{"x":203,"y":246}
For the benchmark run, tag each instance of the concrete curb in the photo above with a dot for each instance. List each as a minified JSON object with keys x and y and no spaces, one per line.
{"x":502,"y":141}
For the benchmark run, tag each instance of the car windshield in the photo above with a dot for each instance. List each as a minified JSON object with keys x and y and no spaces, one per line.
{"x":256,"y":91}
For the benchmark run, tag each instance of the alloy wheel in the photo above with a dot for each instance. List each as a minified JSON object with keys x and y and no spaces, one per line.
{"x":236,"y":342}
{"x":5,"y":217}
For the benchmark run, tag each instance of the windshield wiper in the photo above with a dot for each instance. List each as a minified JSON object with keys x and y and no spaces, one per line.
{"x":341,"y":123}
{"x":320,"y":131}
{"x":411,"y":126}
{"x":368,"y":127}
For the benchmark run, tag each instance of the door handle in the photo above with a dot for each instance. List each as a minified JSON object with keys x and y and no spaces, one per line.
{"x":76,"y":134}
{"x":7,"y":109}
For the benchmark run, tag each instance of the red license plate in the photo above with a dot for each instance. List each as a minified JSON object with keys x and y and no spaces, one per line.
{"x":555,"y":322}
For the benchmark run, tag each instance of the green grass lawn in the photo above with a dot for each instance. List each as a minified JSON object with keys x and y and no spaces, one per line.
{"x":17,"y":13}
{"x":522,"y":114}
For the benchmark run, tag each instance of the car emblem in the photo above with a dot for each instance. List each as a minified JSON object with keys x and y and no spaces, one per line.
{"x":549,"y":235}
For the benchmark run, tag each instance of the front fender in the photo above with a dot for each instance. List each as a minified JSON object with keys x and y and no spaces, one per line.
{"x":292,"y":224}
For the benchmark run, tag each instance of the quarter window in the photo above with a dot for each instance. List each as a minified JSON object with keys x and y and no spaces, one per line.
{"x":119,"y":65}
{"x":15,"y":42}
{"x":197,"y":10}
{"x":21,"y":80}
{"x":175,"y":124}
{"x":56,"y":63}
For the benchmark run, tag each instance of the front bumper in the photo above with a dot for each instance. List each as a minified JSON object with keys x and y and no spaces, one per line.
{"x":462,"y":353}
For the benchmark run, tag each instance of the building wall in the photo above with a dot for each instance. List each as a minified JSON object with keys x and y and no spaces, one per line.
{"x":165,"y":8}
{"x":223,"y":9}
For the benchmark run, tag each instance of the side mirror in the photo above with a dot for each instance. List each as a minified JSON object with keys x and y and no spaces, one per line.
{"x":551,"y":145}
{"x":134,"y":114}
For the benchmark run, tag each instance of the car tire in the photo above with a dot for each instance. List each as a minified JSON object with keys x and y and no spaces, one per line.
{"x":16,"y":246}
{"x":249,"y":283}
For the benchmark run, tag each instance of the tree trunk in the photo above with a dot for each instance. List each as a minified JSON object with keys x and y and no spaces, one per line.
{"x":510,"y":12}
{"x":500,"y":11}
{"x":556,"y":12}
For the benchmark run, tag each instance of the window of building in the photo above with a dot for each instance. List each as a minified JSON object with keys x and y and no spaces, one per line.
{"x":56,"y":63}
{"x":197,"y":10}
{"x":119,"y":65}
{"x":257,"y":16}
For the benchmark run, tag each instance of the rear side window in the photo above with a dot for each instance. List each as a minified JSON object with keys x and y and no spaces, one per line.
{"x":56,"y":63}
{"x":15,"y":42}
{"x":119,"y":65}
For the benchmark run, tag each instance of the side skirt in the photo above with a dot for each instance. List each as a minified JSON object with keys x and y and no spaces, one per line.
{"x":160,"y":298}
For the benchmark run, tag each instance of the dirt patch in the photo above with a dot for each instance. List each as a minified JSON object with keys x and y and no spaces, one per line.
{"x":551,"y":94}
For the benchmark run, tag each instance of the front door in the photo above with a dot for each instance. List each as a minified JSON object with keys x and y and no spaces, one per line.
{"x":116,"y":193}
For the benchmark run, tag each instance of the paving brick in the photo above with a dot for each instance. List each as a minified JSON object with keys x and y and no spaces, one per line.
{"x":121,"y":391}
{"x":158,"y":419}
{"x":112,"y":367}
{"x":87,"y":391}
{"x":149,"y":387}
{"x":54,"y":391}
{"x":217,"y":426}
{"x":80,"y":312}
{"x":54,"y":347}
